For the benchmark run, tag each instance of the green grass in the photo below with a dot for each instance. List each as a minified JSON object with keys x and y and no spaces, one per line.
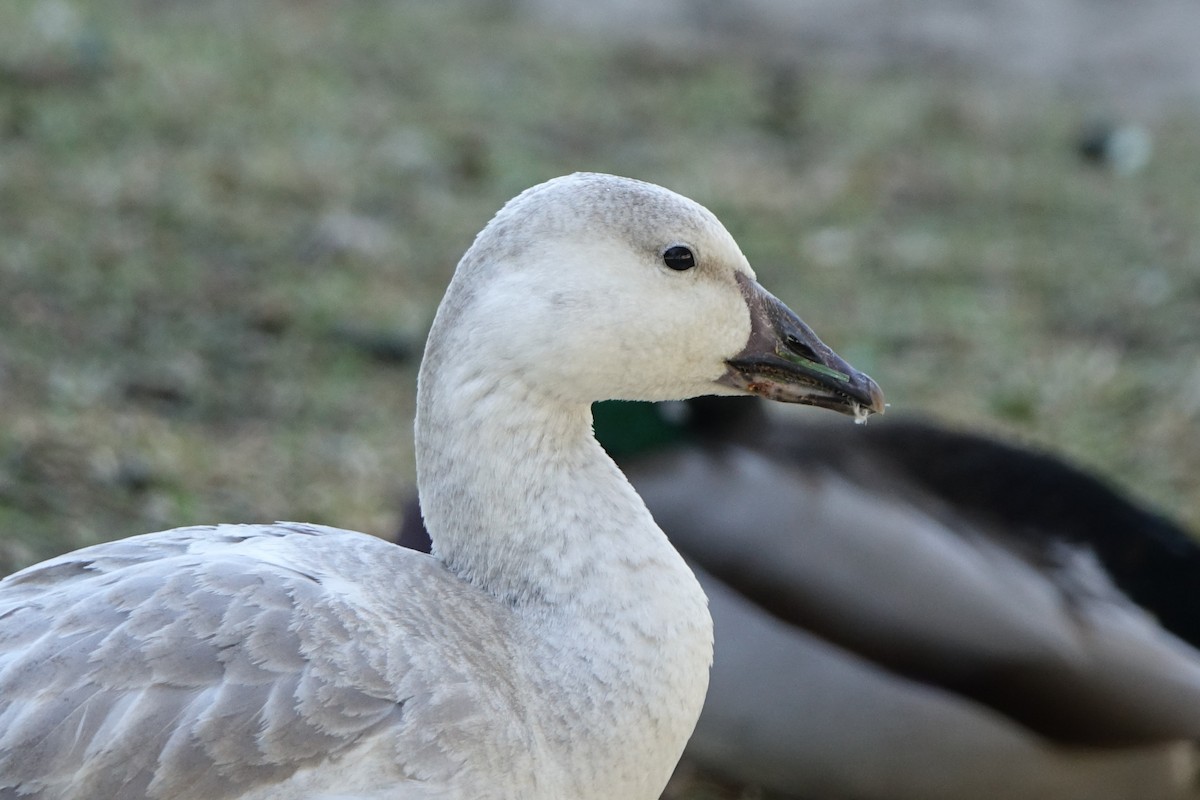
{"x":198,"y":197}
{"x":207,"y":208}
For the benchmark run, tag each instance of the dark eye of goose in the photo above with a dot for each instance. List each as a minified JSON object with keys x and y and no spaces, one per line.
{"x":679,"y":258}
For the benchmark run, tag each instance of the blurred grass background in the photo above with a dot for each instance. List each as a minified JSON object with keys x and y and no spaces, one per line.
{"x":224,"y":227}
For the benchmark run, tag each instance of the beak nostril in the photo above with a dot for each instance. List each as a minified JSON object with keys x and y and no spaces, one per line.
{"x":799,"y":347}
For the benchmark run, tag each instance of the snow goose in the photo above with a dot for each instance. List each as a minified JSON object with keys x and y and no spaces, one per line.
{"x":554,"y":646}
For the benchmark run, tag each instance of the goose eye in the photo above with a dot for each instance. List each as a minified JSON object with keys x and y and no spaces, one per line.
{"x":679,"y":258}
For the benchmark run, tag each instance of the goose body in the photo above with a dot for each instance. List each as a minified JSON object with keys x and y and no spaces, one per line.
{"x":554,"y":644}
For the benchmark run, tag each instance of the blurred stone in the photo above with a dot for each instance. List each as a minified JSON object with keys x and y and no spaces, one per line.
{"x":167,"y":385}
{"x":830,"y":247}
{"x":1125,"y":149}
{"x":345,"y":233}
{"x":1153,"y":286}
{"x":56,"y":21}
{"x":918,"y":250}
{"x":386,"y":346}
{"x":408,"y":149}
{"x":61,"y":50}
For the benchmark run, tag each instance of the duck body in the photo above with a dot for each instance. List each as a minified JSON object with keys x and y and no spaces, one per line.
{"x":907,"y":611}
{"x":553,"y":645}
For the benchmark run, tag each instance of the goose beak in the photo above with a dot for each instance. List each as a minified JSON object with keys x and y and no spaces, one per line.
{"x":785,"y":361}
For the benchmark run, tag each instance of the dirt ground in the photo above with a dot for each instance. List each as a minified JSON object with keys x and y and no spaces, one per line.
{"x":1137,"y":61}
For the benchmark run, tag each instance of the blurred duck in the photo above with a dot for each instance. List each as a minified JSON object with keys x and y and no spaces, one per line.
{"x":905,"y":612}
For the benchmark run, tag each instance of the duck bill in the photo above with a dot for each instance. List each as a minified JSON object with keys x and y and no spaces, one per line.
{"x":785,"y":361}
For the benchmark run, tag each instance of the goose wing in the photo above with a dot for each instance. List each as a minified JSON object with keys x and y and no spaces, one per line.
{"x":195,"y":663}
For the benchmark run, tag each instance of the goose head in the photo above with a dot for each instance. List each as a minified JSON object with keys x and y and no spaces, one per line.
{"x":593,"y":287}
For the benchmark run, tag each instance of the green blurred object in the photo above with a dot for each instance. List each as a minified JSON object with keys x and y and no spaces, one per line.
{"x":629,"y":429}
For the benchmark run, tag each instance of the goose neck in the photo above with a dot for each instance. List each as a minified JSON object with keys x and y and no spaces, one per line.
{"x":520,"y":499}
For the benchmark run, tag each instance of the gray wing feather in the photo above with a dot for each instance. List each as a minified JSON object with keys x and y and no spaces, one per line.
{"x":185,"y":665}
